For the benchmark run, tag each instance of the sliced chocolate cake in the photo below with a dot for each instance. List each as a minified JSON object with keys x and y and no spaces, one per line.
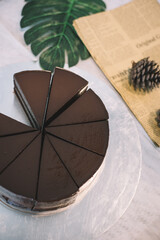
{"x":81,"y":163}
{"x":32,"y":89}
{"x":66,"y":88}
{"x":56,"y":186}
{"x":20,"y":177}
{"x":46,"y":167}
{"x":87,"y":108}
{"x":9,"y":126}
{"x":92,"y":136}
{"x":12,"y":146}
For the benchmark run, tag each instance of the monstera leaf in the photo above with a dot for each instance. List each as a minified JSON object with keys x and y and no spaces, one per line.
{"x":51,"y":33}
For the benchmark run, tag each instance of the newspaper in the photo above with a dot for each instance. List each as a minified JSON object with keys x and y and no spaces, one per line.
{"x":117,"y":37}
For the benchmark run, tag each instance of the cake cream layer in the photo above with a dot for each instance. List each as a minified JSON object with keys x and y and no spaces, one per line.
{"x":9,"y":126}
{"x":29,"y":114}
{"x":87,"y":108}
{"x":15,"y":201}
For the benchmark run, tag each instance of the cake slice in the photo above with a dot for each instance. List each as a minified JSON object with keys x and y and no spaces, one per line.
{"x":66,"y":87}
{"x":87,"y":108}
{"x":20,"y":177}
{"x":9,"y":126}
{"x":55,"y":186}
{"x":12,"y":146}
{"x":32,"y":89}
{"x":92,"y":136}
{"x":82,"y":164}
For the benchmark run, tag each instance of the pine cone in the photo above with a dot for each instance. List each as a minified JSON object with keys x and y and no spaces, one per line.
{"x":144,"y":75}
{"x":158,"y":118}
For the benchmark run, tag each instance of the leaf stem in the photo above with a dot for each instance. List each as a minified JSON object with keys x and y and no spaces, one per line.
{"x":65,"y":23}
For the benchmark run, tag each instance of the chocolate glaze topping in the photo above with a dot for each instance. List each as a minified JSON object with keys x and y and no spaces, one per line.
{"x":81,"y":164}
{"x":92,"y":136}
{"x":20,"y":177}
{"x":9,"y":126}
{"x":55,"y":183}
{"x":12,"y":146}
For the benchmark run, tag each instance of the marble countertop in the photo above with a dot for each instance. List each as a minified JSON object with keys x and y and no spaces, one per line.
{"x":142,"y":218}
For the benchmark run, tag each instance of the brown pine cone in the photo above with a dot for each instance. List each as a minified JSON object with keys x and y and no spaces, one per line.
{"x":144,"y":74}
{"x":158,"y":118}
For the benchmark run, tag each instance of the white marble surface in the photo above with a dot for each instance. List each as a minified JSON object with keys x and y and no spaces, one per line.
{"x":141,"y":221}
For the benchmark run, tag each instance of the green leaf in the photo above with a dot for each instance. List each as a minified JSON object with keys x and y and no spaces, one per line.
{"x":39,"y":30}
{"x":51,"y":33}
{"x":84,"y":54}
{"x":43,"y":18}
{"x":42,"y":6}
{"x":52,"y":57}
{"x":42,"y":43}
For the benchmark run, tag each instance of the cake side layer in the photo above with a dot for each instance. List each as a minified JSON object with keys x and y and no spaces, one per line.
{"x":29,"y":114}
{"x":15,"y":201}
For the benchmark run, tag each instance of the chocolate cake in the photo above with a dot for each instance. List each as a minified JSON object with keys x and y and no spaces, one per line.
{"x":49,"y":165}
